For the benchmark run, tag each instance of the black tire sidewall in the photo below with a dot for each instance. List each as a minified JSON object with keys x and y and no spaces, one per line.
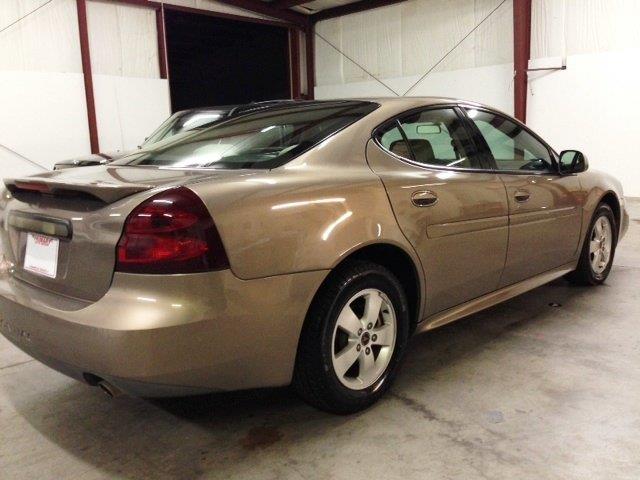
{"x":371,"y":277}
{"x":602,"y":211}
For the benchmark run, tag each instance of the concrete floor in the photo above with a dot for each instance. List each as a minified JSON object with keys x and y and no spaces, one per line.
{"x":523,"y":390}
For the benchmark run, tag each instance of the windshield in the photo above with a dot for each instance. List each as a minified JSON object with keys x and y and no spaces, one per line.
{"x":262,"y":139}
{"x":184,"y":121}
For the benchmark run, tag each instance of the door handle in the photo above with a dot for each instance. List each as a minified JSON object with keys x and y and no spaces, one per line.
{"x":521,"y":196}
{"x":424,"y":198}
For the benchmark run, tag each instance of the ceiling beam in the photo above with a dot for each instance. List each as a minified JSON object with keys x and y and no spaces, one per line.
{"x":283,"y":4}
{"x":350,"y":8}
{"x":263,"y":8}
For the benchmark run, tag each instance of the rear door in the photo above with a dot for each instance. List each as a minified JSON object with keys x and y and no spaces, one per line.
{"x":452,"y":209}
{"x":545,"y":211}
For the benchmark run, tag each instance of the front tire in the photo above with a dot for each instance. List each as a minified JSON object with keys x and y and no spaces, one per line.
{"x":598,"y":250}
{"x":353,"y":339}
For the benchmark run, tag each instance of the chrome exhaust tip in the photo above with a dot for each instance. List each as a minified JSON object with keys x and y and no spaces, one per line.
{"x":110,"y":390}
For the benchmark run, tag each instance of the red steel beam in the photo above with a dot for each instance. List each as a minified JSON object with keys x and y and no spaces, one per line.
{"x":350,"y":8}
{"x":162,"y":43}
{"x":290,"y":18}
{"x":281,"y":4}
{"x":294,"y":62}
{"x":521,"y":55}
{"x":228,"y":16}
{"x":263,"y":8}
{"x":311,"y":60}
{"x":85,"y":55}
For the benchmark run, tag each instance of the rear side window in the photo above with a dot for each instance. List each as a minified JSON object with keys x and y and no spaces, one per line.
{"x":432,"y":138}
{"x":512,"y":146}
{"x":391,"y":139}
{"x":261,"y":139}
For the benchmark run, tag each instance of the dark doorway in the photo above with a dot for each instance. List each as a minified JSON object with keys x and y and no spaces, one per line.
{"x":216,"y":61}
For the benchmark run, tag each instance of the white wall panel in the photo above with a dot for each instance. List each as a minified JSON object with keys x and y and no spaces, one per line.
{"x":44,"y":41}
{"x":571,"y":27}
{"x":593,"y":107}
{"x":42,"y":104}
{"x":43,"y":115}
{"x":592,"y":104}
{"x":128,"y":109}
{"x":492,"y":85}
{"x":412,"y":37}
{"x":14,"y":165}
{"x":131,"y":100}
{"x":123,"y":40}
{"x":400,"y":43}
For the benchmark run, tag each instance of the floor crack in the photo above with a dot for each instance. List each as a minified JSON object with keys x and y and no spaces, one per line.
{"x":17,"y":364}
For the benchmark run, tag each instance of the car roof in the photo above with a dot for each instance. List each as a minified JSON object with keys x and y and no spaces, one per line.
{"x":268,"y":104}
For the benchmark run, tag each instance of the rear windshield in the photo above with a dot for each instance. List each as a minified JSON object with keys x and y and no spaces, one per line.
{"x":183,"y":122}
{"x":261,"y":139}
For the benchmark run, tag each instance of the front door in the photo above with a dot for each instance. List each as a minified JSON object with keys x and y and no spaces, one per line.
{"x":452,"y":210}
{"x":545,"y":213}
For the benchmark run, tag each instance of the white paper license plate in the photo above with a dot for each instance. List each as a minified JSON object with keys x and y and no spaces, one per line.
{"x":41,"y":255}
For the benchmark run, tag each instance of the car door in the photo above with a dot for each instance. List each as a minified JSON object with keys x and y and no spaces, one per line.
{"x":545,"y":213}
{"x":452,"y":210}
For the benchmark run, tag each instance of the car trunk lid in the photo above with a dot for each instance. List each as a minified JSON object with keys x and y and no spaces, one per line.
{"x":80,"y":214}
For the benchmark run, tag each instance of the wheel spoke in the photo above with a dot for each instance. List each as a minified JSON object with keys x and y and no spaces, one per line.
{"x":372,"y":308}
{"x":367,"y":366}
{"x":354,"y":349}
{"x":598,"y":259}
{"x":600,"y":245}
{"x":348,"y":322}
{"x":598,"y":228}
{"x":384,"y":336}
{"x":345,"y":359}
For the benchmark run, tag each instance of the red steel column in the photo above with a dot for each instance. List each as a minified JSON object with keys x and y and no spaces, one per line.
{"x":294,"y":62}
{"x":521,"y":55}
{"x":88,"y":77}
{"x":162,"y":44}
{"x":309,"y":34}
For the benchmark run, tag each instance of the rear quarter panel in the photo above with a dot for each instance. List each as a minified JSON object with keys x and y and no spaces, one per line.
{"x":309,"y":214}
{"x":293,"y":221}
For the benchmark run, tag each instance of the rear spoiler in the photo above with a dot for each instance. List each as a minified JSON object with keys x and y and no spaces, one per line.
{"x":102,"y":191}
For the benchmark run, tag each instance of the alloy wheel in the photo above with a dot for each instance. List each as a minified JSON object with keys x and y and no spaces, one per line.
{"x":601,"y":240}
{"x":364,"y":338}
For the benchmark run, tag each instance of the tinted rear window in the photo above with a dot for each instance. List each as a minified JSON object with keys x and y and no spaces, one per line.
{"x":261,"y":139}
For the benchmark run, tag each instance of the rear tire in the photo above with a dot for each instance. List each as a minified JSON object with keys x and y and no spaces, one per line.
{"x":353,"y":339}
{"x":596,"y":257}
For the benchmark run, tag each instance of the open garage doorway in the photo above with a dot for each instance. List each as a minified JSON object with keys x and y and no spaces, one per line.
{"x":217,"y":61}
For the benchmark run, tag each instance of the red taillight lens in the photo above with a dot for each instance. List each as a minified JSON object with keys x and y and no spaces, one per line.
{"x":171,"y":232}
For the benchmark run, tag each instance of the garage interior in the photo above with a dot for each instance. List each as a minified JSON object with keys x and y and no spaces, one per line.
{"x":229,"y":62}
{"x":545,"y":385}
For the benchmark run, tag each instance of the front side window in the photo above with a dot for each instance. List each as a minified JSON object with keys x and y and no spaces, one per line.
{"x":512,"y":147}
{"x":262,"y":139}
{"x":432,"y":138}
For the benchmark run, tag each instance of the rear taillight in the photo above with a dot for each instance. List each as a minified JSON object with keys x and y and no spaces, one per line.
{"x":171,"y":232}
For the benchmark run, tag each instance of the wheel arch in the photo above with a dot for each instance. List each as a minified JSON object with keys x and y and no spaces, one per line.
{"x":399,"y":262}
{"x":611,"y":199}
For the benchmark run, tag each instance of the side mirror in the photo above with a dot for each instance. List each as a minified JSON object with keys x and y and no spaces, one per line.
{"x":573,"y":161}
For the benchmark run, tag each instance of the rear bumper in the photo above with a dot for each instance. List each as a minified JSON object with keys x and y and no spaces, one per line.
{"x":167,"y":335}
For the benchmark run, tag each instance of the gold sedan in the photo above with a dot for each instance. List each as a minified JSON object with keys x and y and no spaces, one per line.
{"x":301,"y":242}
